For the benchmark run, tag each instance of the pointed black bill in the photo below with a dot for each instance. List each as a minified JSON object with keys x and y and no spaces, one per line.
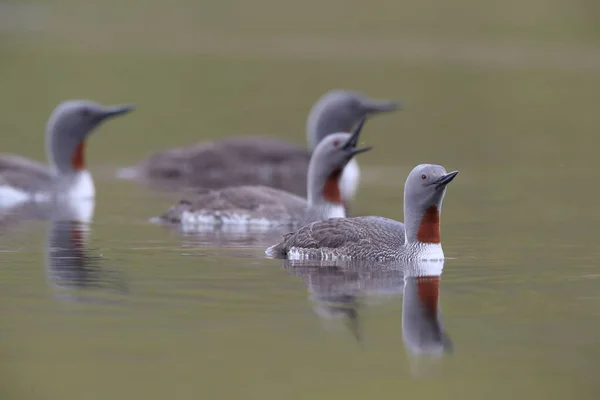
{"x":446,"y":179}
{"x":351,"y":144}
{"x":353,"y":141}
{"x":361,"y":150}
{"x":118,"y":110}
{"x":383,"y":106}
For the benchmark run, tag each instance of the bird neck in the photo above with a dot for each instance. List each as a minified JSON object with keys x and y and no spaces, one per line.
{"x":324,"y":191}
{"x":322,"y":121}
{"x":65,"y":153}
{"x":422,"y":226}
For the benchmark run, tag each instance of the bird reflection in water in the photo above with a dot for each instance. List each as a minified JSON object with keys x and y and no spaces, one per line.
{"x":339,"y":287}
{"x":228,"y":238}
{"x":422,"y":327}
{"x":333,"y":292}
{"x":73,"y":269}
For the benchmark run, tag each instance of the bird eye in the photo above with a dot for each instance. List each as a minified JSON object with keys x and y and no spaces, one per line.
{"x":336,"y":143}
{"x":85,"y":112}
{"x":424,"y":177}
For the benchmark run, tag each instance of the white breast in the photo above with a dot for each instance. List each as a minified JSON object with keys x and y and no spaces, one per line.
{"x":350,"y":180}
{"x":431,"y":267}
{"x":10,"y":197}
{"x":335,"y":211}
{"x":424,"y":251}
{"x":81,"y":186}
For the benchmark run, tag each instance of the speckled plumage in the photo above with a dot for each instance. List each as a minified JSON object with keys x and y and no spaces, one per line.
{"x":378,"y":238}
{"x":256,"y":203}
{"x":263,"y":206}
{"x":344,"y":238}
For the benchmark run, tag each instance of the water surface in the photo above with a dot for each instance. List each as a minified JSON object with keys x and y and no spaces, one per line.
{"x":120,"y":307}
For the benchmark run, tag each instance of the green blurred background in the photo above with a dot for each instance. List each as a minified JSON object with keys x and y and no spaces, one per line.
{"x":509,"y":87}
{"x":507,"y":92}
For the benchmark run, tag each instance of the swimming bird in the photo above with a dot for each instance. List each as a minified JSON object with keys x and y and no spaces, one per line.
{"x":258,"y":160}
{"x":262,"y":206}
{"x":379,"y":238}
{"x":23,"y":180}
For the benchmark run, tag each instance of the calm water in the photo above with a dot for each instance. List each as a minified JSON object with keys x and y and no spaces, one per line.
{"x":121,"y":308}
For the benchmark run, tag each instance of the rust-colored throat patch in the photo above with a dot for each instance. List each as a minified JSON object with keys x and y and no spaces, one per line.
{"x":428,"y":288}
{"x":429,"y":229}
{"x":78,"y":158}
{"x":331,"y":191}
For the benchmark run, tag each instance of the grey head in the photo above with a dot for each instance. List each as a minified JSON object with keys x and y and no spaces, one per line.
{"x":69,"y":126}
{"x":339,"y":111}
{"x":327,"y":163}
{"x":424,"y":192}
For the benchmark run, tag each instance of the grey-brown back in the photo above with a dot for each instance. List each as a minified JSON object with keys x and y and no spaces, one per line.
{"x":359,"y":237}
{"x":24,"y":174}
{"x":254,"y":202}
{"x":250,"y":160}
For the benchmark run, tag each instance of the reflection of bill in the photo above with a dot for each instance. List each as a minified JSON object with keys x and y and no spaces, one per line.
{"x":71,"y":266}
{"x":422,"y":329}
